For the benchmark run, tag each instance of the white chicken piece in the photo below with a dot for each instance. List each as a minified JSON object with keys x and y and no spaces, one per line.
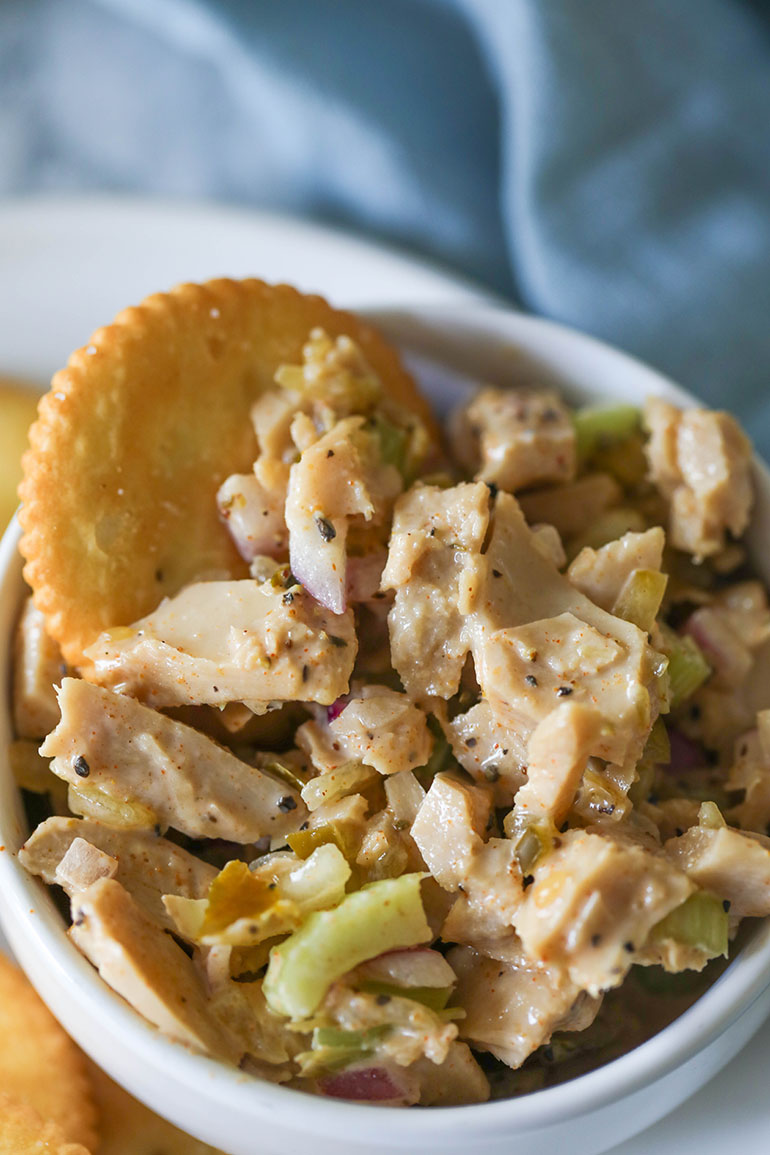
{"x":233,"y":641}
{"x":82,"y":865}
{"x":511,"y":1010}
{"x":149,"y":865}
{"x":515,"y":438}
{"x":378,"y":727}
{"x":572,"y":508}
{"x":110,"y":744}
{"x":489,"y":751}
{"x":145,"y":966}
{"x":254,"y":516}
{"x":557,"y":753}
{"x":730,"y":863}
{"x":701,"y":461}
{"x":339,"y":477}
{"x":435,"y":537}
{"x":594,"y":900}
{"x":601,"y":573}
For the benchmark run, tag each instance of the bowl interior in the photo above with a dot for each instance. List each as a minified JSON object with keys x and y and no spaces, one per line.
{"x":449,"y":350}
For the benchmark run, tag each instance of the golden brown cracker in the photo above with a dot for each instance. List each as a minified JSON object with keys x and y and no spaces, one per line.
{"x":39,"y":1063}
{"x":24,"y":1132}
{"x":129,"y":1128}
{"x":138,"y":432}
{"x":17,"y":412}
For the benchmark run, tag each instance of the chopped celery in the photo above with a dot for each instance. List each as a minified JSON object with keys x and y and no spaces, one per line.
{"x":436,"y":998}
{"x":599,"y":426}
{"x":639,"y":599}
{"x":333,"y":1048}
{"x":687,"y":667}
{"x":658,"y":747}
{"x":700,"y":921}
{"x":380,"y":917}
{"x":393,"y":441}
{"x":291,"y":775}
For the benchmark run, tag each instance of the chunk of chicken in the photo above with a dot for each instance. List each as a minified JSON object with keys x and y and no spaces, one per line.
{"x":149,"y":866}
{"x":378,"y":727}
{"x":557,"y":755}
{"x":37,"y":669}
{"x":254,"y":516}
{"x":574,"y":507}
{"x":238,"y":641}
{"x":110,"y":744}
{"x":145,"y":966}
{"x":339,"y":477}
{"x":510,"y":1010}
{"x":730,"y":863}
{"x":537,"y":640}
{"x":490,"y":752}
{"x":436,"y":535}
{"x":515,"y":438}
{"x":601,"y":573}
{"x":701,"y":461}
{"x":595,"y":899}
{"x":457,"y":1081}
{"x":750,"y":773}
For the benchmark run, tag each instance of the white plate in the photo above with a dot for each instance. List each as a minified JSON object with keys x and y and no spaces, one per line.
{"x":67,"y":266}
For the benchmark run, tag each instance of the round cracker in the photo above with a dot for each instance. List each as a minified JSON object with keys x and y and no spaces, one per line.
{"x":138,"y":432}
{"x":39,"y":1063}
{"x":23,"y":1132}
{"x":129,"y":1128}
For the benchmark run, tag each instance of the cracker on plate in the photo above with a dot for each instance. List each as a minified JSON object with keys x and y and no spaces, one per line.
{"x":137,"y":433}
{"x":39,"y":1063}
{"x":23,"y":1132}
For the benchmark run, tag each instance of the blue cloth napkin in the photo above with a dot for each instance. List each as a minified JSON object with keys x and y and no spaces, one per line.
{"x":603,"y":163}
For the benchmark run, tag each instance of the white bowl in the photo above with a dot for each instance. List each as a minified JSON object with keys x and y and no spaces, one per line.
{"x":243,"y":1115}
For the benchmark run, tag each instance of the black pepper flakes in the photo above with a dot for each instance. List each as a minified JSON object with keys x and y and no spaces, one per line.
{"x":288,"y":598}
{"x":305,"y":673}
{"x":325,"y":527}
{"x":493,"y":489}
{"x":564,"y":691}
{"x":531,"y":680}
{"x":382,"y":1000}
{"x":340,"y":643}
{"x":629,"y":946}
{"x":471,"y":742}
{"x":496,"y":573}
{"x":527,"y":881}
{"x":287,"y":803}
{"x":330,"y":453}
{"x":81,"y":767}
{"x":491,"y":773}
{"x":595,"y":939}
{"x":726,"y":904}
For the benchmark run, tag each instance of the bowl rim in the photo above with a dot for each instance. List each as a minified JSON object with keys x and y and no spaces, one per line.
{"x":35,"y":923}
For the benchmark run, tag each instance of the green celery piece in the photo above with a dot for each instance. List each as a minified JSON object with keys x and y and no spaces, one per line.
{"x":435,"y":998}
{"x":385,"y":915}
{"x":687,"y":667}
{"x":601,"y":425}
{"x":700,"y":921}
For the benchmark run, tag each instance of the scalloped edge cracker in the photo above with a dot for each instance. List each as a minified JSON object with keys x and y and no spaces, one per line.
{"x":23,"y":1132}
{"x":137,"y":433}
{"x":40,"y":1065}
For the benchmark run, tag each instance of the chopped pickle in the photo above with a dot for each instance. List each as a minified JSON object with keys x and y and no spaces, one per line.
{"x":349,"y":778}
{"x":701,"y":921}
{"x":640,"y":598}
{"x":710,"y":816}
{"x":304,"y":842}
{"x":598,"y":427}
{"x":236,"y":893}
{"x":382,"y":916}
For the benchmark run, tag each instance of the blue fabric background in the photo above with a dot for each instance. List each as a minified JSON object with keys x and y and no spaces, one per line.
{"x":606,"y":163}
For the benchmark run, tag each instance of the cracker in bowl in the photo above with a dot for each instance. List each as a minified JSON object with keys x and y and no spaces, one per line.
{"x":139,"y":431}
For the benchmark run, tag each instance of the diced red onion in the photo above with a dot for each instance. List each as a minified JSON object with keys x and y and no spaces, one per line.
{"x":365,"y":1085}
{"x":686,"y":753}
{"x":336,"y":708}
